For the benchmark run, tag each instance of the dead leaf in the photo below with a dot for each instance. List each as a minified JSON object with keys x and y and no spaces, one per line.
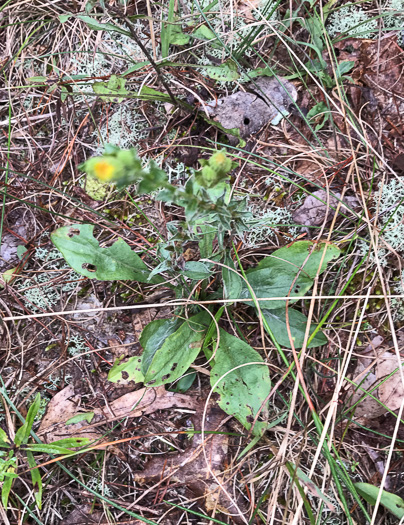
{"x":65,"y":405}
{"x":84,"y":515}
{"x":266,"y":101}
{"x":378,"y":73}
{"x":246,"y":8}
{"x":371,"y":371}
{"x":191,"y":469}
{"x":314,"y":210}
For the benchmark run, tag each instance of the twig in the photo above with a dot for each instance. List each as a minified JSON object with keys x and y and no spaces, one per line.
{"x":135,"y":37}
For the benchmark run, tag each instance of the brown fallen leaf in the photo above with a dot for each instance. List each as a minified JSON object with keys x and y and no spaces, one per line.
{"x":313,"y":212}
{"x":371,"y":371}
{"x":64,"y":405}
{"x":205,"y":479}
{"x":378,"y":74}
{"x":266,"y":101}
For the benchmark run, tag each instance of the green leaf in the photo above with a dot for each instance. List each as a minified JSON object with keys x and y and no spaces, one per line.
{"x":36,"y":479}
{"x":226,"y":72}
{"x":98,"y":26}
{"x":232,"y":282}
{"x":22,"y":434}
{"x":135,"y":67}
{"x":277,"y":322}
{"x":319,"y":109}
{"x":64,"y":18}
{"x":270,"y":282}
{"x":85,"y":416}
{"x":148,"y":93}
{"x":49,"y":449}
{"x":81,"y":250}
{"x":153,"y":336}
{"x":203,"y":32}
{"x":73,"y":442}
{"x":5,"y":491}
{"x":4,"y":438}
{"x":111,"y":90}
{"x":291,"y":258}
{"x":123,"y":373}
{"x":37,"y":80}
{"x":345,"y":67}
{"x":184,"y":383}
{"x":242,"y":391}
{"x":391,"y":502}
{"x":196,"y":270}
{"x":275,"y":274}
{"x":177,"y":352}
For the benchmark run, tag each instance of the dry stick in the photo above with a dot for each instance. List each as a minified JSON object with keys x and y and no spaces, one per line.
{"x":120,"y":15}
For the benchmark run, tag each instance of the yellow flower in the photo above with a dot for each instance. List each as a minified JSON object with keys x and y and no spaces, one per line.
{"x":106,"y":168}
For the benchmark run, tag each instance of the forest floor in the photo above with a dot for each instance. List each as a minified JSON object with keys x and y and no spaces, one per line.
{"x":321,"y":161}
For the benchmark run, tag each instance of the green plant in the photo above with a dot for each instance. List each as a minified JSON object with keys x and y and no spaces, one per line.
{"x":13,"y":450}
{"x":239,"y":374}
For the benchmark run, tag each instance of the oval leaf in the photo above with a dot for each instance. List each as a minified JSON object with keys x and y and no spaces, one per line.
{"x":390,"y":501}
{"x":178,"y":351}
{"x":291,"y":258}
{"x":277,"y":322}
{"x":83,"y":253}
{"x":153,"y":336}
{"x":242,"y":391}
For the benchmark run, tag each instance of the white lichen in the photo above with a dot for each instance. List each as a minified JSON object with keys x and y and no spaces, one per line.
{"x":353,"y":21}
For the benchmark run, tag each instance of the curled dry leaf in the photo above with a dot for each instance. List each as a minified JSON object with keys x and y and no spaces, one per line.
{"x":314,"y":210}
{"x":267,"y":101}
{"x":376,"y":371}
{"x":65,"y":405}
{"x":191,"y":469}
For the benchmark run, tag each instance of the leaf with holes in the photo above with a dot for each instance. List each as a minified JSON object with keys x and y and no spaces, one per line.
{"x":174,"y":353}
{"x":277,"y":322}
{"x":153,"y":336}
{"x":243,"y":390}
{"x":226,"y":72}
{"x":390,"y":501}
{"x":124,"y":372}
{"x":84,"y":254}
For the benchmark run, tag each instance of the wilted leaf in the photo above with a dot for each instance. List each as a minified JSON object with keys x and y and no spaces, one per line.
{"x":191,"y":470}
{"x":83,"y":253}
{"x":243,"y":390}
{"x":391,"y":502}
{"x":385,"y":373}
{"x":297,"y":321}
{"x":310,"y":485}
{"x":64,"y":405}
